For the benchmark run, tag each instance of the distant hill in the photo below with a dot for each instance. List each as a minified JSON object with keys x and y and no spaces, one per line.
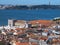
{"x":30,"y":7}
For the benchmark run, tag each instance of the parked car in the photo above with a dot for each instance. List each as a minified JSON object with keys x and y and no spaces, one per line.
{"x":56,"y":32}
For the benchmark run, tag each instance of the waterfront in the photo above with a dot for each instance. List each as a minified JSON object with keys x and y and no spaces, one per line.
{"x":31,"y":27}
{"x":47,"y":14}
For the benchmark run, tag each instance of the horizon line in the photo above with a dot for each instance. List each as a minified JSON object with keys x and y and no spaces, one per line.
{"x":29,"y":4}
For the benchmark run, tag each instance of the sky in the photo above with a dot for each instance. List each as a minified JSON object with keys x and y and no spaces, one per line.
{"x":30,"y":2}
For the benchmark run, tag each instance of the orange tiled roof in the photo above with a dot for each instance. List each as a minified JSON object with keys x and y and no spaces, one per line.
{"x":25,"y":43}
{"x":44,"y":22}
{"x":20,"y":29}
{"x":40,"y":21}
{"x":34,"y":43}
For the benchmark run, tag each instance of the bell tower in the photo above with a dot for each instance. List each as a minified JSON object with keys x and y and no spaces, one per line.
{"x":10,"y":22}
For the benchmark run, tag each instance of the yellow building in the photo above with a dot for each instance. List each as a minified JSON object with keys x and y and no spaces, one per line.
{"x":18,"y":23}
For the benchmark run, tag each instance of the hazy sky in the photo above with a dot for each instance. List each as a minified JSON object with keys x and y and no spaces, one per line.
{"x":29,"y":2}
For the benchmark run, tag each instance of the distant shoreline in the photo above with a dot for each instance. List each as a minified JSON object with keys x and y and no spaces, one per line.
{"x":24,"y":7}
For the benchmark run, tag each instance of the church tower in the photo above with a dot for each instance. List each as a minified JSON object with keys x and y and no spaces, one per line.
{"x":10,"y":22}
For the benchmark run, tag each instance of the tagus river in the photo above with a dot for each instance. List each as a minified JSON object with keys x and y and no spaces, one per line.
{"x":46,"y":14}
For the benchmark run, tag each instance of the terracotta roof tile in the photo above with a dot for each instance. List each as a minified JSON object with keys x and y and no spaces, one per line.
{"x":34,"y":43}
{"x":45,"y":22}
{"x":20,"y":29}
{"x":25,"y":43}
